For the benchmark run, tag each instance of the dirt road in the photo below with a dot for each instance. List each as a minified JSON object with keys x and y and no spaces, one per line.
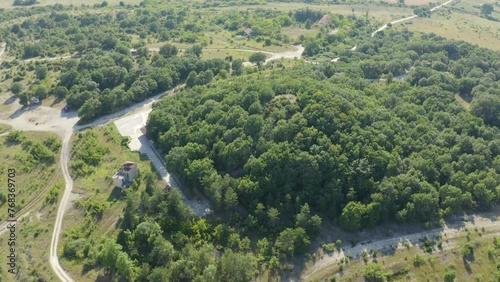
{"x":451,"y":231}
{"x":410,"y":17}
{"x":56,"y":234}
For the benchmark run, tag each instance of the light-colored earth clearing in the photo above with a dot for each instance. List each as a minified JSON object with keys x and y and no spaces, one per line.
{"x":397,"y":252}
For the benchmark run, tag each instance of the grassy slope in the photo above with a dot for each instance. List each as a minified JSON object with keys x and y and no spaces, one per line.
{"x":461,"y":25}
{"x":99,"y":186}
{"x":35,"y":229}
{"x":32,"y":181}
{"x":4,"y":128}
{"x":481,"y":267}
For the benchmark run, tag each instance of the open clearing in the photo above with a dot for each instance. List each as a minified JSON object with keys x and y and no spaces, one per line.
{"x":398,"y":255}
{"x":458,"y":24}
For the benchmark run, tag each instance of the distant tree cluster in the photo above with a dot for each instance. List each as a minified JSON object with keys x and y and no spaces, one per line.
{"x":23,"y":2}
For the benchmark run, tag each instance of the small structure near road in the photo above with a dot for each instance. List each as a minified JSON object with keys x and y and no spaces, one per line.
{"x":125,"y":175}
{"x":247,"y":31}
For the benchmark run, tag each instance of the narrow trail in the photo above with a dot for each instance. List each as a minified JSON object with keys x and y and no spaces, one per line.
{"x":56,"y":234}
{"x":411,"y":17}
{"x":451,"y":231}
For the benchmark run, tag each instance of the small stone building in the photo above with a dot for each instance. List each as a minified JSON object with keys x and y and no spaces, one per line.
{"x":125,"y":175}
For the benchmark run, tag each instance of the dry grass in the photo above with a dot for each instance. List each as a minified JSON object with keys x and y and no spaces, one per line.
{"x":34,"y":230}
{"x":31,"y":180}
{"x":434,"y":265}
{"x":4,"y":127}
{"x":462,"y":102}
{"x":222,"y":54}
{"x":34,"y":233}
{"x":459,"y":26}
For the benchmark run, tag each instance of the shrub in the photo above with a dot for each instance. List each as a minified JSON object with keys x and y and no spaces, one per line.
{"x":449,"y":276}
{"x":467,"y":250}
{"x":418,"y":260}
{"x":329,"y":247}
{"x":75,"y":249}
{"x":374,"y":272}
{"x":14,"y":136}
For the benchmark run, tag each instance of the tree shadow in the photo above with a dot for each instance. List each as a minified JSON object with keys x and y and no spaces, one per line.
{"x":56,"y":101}
{"x":10,"y":100}
{"x":116,"y":195}
{"x":467,"y":264}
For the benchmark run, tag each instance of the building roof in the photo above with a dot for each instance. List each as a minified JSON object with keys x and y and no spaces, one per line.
{"x":127,"y":166}
{"x":247,"y":30}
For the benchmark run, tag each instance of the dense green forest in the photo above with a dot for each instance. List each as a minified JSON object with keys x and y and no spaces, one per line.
{"x":280,"y":151}
{"x":329,"y":137}
{"x":375,"y":137}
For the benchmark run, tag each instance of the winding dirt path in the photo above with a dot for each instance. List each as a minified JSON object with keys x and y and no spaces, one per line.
{"x":410,"y":17}
{"x":451,"y":231}
{"x":56,"y":234}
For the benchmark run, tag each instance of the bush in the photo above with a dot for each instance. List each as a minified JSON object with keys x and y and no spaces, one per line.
{"x":418,"y":260}
{"x":14,"y":136}
{"x":467,"y":250}
{"x":329,"y":247}
{"x":75,"y":249}
{"x":450,"y":276}
{"x":374,"y":272}
{"x":53,"y":194}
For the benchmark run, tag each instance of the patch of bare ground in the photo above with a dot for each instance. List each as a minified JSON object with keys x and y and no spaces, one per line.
{"x":386,"y":239}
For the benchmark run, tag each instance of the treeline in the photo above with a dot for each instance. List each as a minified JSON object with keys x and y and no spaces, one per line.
{"x":102,"y":83}
{"x":327,"y":137}
{"x":61,"y":32}
{"x":24,"y":2}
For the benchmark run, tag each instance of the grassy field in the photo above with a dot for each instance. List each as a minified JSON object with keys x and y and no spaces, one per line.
{"x":38,"y":190}
{"x":412,"y":263}
{"x":4,"y":128}
{"x":32,"y":177}
{"x":34,"y":233}
{"x":454,"y":24}
{"x":98,"y":186}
